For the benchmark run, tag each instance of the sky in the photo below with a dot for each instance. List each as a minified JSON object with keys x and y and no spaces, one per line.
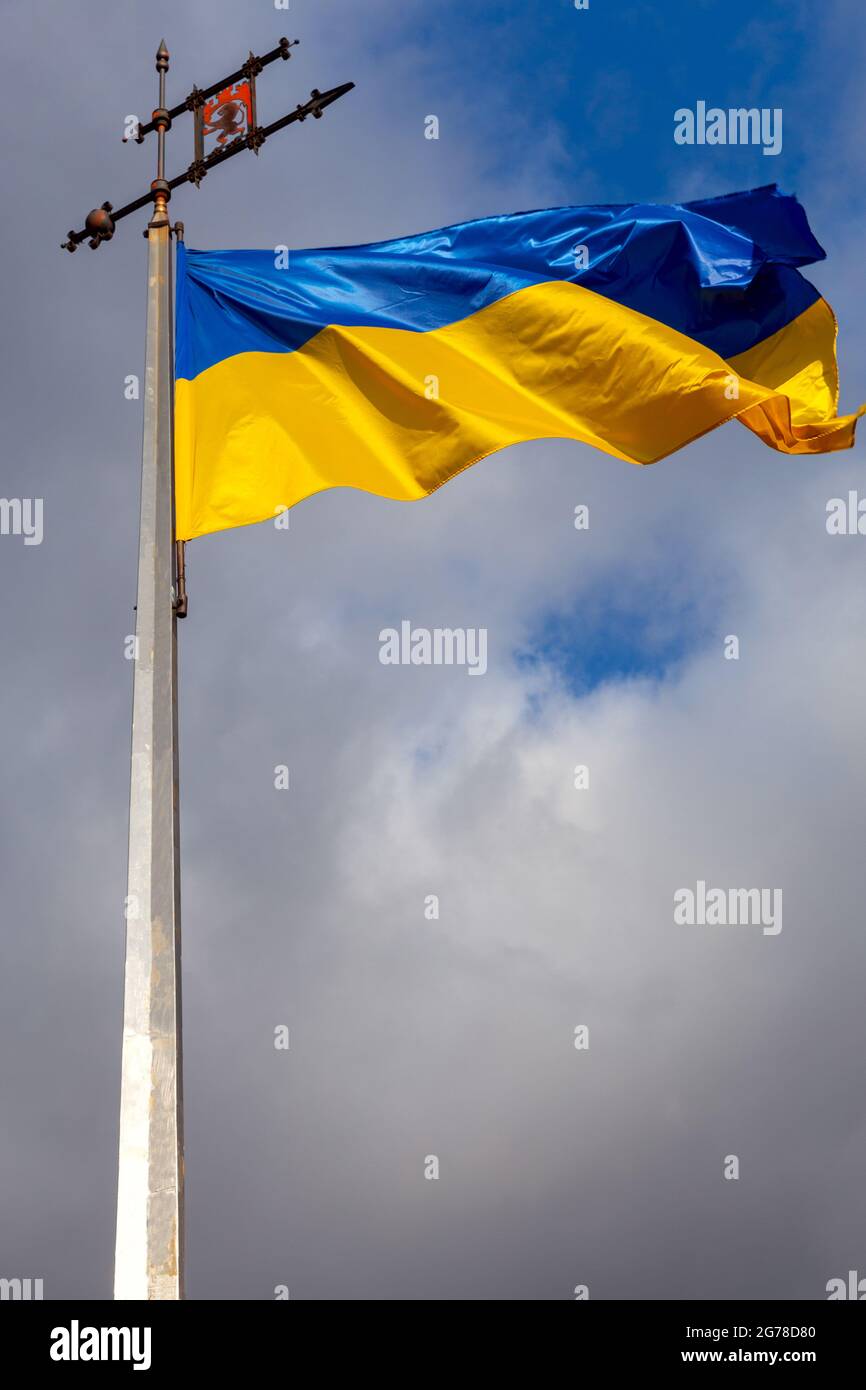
{"x":454,"y":1037}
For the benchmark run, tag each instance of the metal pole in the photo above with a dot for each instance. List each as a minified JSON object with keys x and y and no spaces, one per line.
{"x":149,"y":1254}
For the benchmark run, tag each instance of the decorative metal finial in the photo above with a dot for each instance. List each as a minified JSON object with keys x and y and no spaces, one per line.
{"x":99,"y":225}
{"x":237,"y":130}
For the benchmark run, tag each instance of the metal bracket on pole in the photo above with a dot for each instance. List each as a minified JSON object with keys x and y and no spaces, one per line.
{"x":181,"y":603}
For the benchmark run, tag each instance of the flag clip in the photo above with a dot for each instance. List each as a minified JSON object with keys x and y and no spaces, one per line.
{"x":181,"y":607}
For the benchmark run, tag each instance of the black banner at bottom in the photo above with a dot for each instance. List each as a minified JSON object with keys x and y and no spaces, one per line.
{"x":153,"y":1338}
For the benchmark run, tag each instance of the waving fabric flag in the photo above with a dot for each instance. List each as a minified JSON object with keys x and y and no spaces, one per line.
{"x":392,"y":367}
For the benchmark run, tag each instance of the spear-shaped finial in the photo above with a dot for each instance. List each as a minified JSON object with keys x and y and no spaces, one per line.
{"x":160,"y":188}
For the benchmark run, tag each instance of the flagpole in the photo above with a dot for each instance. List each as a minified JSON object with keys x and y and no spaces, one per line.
{"x":149,"y":1245}
{"x":149,"y":1252}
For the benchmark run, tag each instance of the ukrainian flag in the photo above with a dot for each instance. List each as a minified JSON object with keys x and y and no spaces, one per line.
{"x":394,"y":366}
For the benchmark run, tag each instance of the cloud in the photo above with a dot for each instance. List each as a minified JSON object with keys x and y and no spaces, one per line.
{"x":412,"y":1036}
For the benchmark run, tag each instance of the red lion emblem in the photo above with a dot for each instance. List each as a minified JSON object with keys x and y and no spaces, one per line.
{"x":229,"y":114}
